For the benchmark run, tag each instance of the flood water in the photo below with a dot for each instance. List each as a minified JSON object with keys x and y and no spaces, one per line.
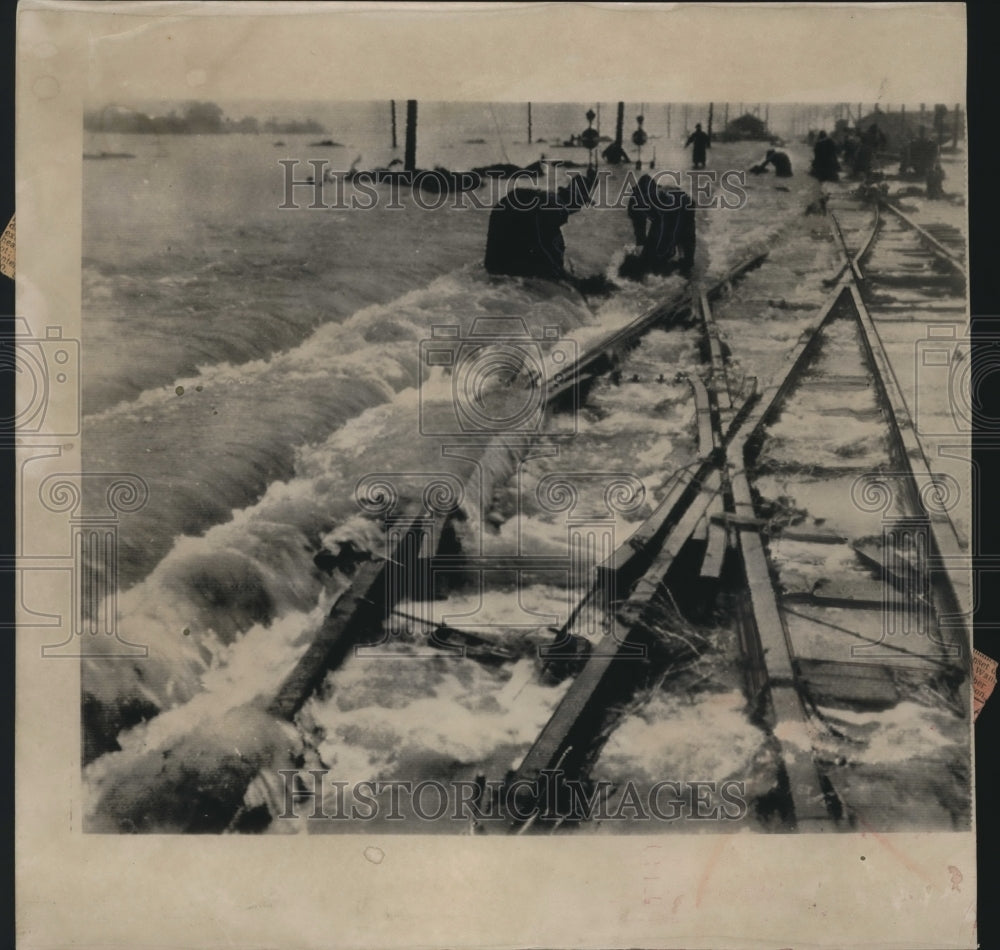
{"x":252,"y":364}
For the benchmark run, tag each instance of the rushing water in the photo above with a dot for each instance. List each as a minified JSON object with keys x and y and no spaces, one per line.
{"x":251,"y":364}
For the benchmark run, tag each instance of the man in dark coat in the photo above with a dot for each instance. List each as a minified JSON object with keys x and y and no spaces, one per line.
{"x":664,"y":224}
{"x":825,"y":166}
{"x":701,"y":142}
{"x":525,"y":231}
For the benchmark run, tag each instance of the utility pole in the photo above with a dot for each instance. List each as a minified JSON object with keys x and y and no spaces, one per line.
{"x":619,"y":124}
{"x":410,"y":154}
{"x":529,"y":123}
{"x":392,"y":107}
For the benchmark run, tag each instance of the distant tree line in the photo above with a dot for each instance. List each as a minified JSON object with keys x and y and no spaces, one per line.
{"x":196,"y":118}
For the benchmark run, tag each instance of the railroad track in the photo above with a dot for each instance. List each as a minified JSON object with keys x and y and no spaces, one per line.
{"x":887,"y":630}
{"x":759,"y":495}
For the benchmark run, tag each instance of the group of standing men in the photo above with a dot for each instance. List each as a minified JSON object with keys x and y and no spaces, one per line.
{"x":525,"y":230}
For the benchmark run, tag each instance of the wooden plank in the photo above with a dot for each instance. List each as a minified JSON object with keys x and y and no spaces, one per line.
{"x":495,"y":562}
{"x":359,"y":609}
{"x":703,"y":416}
{"x":650,"y":580}
{"x":700,"y":532}
{"x":810,"y":535}
{"x":718,"y":541}
{"x":685,"y":483}
{"x":719,"y":376}
{"x":791,"y":727}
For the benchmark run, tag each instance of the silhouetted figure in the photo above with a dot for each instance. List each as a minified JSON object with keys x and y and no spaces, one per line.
{"x":935,"y":179}
{"x":920,"y":155}
{"x":781,"y":162}
{"x":871,"y":143}
{"x":850,"y":150}
{"x":614,"y":154}
{"x":525,"y":231}
{"x":701,"y":143}
{"x":825,"y":165}
{"x":875,"y":137}
{"x":664,"y":224}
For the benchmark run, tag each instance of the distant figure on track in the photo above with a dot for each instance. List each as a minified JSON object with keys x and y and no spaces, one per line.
{"x":664,"y":224}
{"x":781,"y":162}
{"x":935,"y":178}
{"x":919,"y":155}
{"x":872,"y":142}
{"x":525,"y":231}
{"x":825,"y":166}
{"x":850,"y":149}
{"x":701,"y":143}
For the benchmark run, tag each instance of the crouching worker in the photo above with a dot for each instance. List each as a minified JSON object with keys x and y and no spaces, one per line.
{"x":664,"y":225}
{"x":781,"y":162}
{"x":525,"y":232}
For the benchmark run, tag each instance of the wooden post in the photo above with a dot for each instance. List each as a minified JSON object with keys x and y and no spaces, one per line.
{"x":711,"y":110}
{"x":958,"y":120}
{"x":940,"y":112}
{"x":392,"y":106}
{"x":410,"y":155}
{"x":668,"y":120}
{"x":619,"y":123}
{"x":529,"y":123}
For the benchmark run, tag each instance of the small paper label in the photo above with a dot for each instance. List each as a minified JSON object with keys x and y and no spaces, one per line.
{"x":984,"y":679}
{"x":7,"y":250}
